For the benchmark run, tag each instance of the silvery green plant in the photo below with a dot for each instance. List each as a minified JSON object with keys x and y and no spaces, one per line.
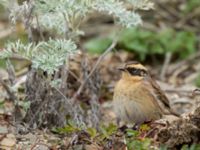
{"x":63,"y":18}
{"x":42,"y":54}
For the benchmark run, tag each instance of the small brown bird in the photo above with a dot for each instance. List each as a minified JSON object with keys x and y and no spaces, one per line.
{"x":137,"y":95}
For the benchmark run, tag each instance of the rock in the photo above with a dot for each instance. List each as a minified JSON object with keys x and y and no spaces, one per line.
{"x":185,"y":130}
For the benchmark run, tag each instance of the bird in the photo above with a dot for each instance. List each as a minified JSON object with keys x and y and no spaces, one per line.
{"x":137,"y":97}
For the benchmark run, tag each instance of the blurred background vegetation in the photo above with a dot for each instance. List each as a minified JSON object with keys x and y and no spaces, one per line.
{"x":172,"y":27}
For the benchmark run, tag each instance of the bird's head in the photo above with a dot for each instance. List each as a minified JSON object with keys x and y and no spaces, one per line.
{"x":134,"y":71}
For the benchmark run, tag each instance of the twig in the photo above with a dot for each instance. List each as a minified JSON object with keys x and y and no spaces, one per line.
{"x":11,"y":77}
{"x":181,"y":101}
{"x":69,"y":102}
{"x":73,"y":74}
{"x":37,"y":144}
{"x":74,"y":110}
{"x":182,"y":63}
{"x":172,"y":12}
{"x":8,"y":90}
{"x":93,"y":69}
{"x":65,"y":75}
{"x":168,"y":57}
{"x":73,"y":139}
{"x":38,"y":25}
{"x":11,"y":72}
{"x":27,"y":23}
{"x":28,"y":17}
{"x":66,"y":27}
{"x":41,"y":106}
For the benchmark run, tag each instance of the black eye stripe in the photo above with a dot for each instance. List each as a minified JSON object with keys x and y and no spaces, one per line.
{"x":136,"y":71}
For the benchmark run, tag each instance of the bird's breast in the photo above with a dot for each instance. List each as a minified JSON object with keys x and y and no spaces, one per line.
{"x":132,"y":103}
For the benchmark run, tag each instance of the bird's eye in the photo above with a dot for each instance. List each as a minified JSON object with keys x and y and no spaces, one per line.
{"x":133,"y":71}
{"x":137,"y":72}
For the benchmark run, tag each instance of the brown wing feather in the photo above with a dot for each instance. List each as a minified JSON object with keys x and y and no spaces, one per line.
{"x":161,"y":96}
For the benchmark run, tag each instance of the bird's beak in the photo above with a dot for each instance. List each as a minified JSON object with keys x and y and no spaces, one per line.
{"x":121,"y":69}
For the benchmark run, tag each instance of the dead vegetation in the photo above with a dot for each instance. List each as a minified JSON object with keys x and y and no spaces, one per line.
{"x":86,"y":91}
{"x":184,"y":131}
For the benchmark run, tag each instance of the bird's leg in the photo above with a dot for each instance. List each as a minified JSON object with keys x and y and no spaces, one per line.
{"x":123,"y":128}
{"x":154,"y":126}
{"x":136,"y":126}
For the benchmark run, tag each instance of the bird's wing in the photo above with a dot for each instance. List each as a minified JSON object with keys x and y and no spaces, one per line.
{"x":160,"y":95}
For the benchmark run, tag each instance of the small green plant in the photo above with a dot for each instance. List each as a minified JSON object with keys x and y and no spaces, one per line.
{"x":191,"y":147}
{"x":107,"y":131}
{"x":92,"y":132}
{"x":134,"y":141}
{"x":144,"y":43}
{"x":98,"y":45}
{"x":69,"y":128}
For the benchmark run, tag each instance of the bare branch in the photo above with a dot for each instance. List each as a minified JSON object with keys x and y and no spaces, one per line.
{"x":8,"y":90}
{"x":93,"y":69}
{"x":168,"y":57}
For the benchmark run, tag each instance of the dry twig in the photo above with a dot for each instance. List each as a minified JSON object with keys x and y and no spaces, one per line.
{"x":93,"y":69}
{"x":165,"y":66}
{"x":8,"y":90}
